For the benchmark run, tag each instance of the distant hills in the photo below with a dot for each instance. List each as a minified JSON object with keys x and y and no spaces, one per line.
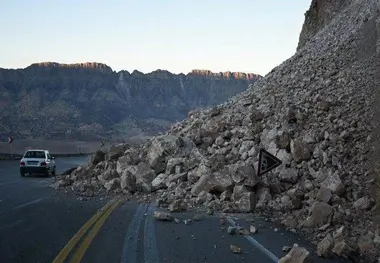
{"x":90,"y":101}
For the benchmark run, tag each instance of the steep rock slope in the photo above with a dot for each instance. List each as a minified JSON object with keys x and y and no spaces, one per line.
{"x":320,"y":14}
{"x":88,"y":101}
{"x":317,"y":112}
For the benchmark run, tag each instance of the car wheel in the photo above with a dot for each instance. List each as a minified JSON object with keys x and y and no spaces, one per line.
{"x":22,"y":174}
{"x":53,"y":172}
{"x":46,"y":173}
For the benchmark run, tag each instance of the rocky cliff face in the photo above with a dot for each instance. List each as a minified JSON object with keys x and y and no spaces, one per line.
{"x":319,"y":15}
{"x":89,"y":100}
{"x":318,"y":112}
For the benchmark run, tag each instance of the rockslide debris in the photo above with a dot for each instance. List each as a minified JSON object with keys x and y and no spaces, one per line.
{"x":317,"y":112}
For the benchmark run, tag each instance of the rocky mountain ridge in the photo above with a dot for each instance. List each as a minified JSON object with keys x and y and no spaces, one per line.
{"x":318,"y":112}
{"x":90,"y":101}
{"x":86,"y":65}
{"x":156,"y":73}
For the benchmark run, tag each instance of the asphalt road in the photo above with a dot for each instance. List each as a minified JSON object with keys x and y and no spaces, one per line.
{"x":39,"y":224}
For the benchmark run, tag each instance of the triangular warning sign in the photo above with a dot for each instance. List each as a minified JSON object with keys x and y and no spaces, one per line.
{"x":267,"y":162}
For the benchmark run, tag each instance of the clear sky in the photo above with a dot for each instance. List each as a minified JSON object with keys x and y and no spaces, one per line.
{"x":176,"y":35}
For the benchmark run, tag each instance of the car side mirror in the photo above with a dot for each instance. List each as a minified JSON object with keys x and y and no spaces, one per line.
{"x":53,"y":158}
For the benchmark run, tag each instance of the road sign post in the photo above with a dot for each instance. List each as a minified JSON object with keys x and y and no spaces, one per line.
{"x":267,"y":162}
{"x":10,"y":141}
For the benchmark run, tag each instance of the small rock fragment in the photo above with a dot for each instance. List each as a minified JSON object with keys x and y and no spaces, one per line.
{"x":177,"y":206}
{"x":324,"y":248}
{"x":341,"y":248}
{"x":244,"y":231}
{"x":235,"y":249}
{"x":163,"y":216}
{"x":252,"y":229}
{"x":296,"y":255}
{"x":365,"y":242}
{"x":197,"y":218}
{"x":231,"y":230}
{"x":210,"y":211}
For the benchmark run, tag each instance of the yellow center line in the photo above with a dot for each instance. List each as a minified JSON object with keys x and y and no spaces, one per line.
{"x":61,"y":257}
{"x":79,"y":253}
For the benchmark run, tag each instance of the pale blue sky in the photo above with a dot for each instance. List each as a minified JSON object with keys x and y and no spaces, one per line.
{"x":176,"y":35}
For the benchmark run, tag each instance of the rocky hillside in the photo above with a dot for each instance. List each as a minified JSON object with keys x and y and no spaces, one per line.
{"x":88,"y":101}
{"x":317,"y":112}
{"x":320,"y":14}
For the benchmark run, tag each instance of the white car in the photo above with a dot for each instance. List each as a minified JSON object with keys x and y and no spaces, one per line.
{"x":37,"y":161}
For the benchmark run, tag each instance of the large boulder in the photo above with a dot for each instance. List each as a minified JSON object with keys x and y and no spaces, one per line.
{"x":246,"y":203}
{"x":324,"y":195}
{"x":166,"y":146}
{"x":244,"y":174}
{"x":99,"y":168}
{"x":143,"y":175}
{"x":113,"y":184}
{"x":289,"y":175}
{"x":177,"y":206}
{"x":160,"y":182}
{"x":108,"y":175}
{"x":217,"y":181}
{"x":333,"y":183}
{"x":300,"y":150}
{"x":174,"y":164}
{"x":131,"y":157}
{"x":324,"y":248}
{"x":116,"y":151}
{"x":283,"y":140}
{"x":268,"y":138}
{"x":320,"y":214}
{"x":97,"y":157}
{"x":263,"y":197}
{"x":238,"y":191}
{"x":128,"y":181}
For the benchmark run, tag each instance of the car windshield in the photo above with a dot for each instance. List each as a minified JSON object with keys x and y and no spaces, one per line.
{"x":34,"y":154}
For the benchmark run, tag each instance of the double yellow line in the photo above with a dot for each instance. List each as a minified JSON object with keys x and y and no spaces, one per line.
{"x":96,"y":221}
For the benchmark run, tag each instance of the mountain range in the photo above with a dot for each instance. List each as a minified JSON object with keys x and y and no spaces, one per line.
{"x":90,"y":101}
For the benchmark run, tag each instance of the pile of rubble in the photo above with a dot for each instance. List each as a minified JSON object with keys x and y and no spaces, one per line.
{"x":315,"y":112}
